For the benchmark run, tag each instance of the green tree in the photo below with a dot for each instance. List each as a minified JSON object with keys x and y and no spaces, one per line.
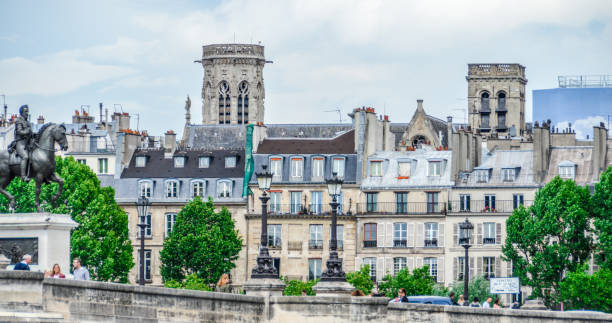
{"x":202,"y":242}
{"x":295,"y":287}
{"x":417,"y":283}
{"x":101,"y":238}
{"x":477,"y":287}
{"x":361,"y":279}
{"x":580,"y":290}
{"x":191,"y":282}
{"x":550,"y":238}
{"x":602,"y":210}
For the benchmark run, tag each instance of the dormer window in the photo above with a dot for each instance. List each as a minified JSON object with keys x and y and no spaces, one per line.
{"x":509,"y":174}
{"x":276,"y":167}
{"x":224,"y":188}
{"x":145,"y":188}
{"x":204,"y":162}
{"x":172,"y":188}
{"x":230,"y":162}
{"x":567,"y":170}
{"x":141,"y":161}
{"x":338,"y":166}
{"x":435,"y":168}
{"x":318,"y":169}
{"x":404,"y":170}
{"x":297,"y":167}
{"x":482,"y":176}
{"x":198,"y":188}
{"x":179,"y":162}
{"x":376,"y":168}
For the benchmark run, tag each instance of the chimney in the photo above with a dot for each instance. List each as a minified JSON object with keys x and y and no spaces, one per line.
{"x":449,"y":132}
{"x":41,"y":120}
{"x":600,"y":147}
{"x":101,"y":120}
{"x":124,"y":121}
{"x":169,"y":143}
{"x":419,"y":104}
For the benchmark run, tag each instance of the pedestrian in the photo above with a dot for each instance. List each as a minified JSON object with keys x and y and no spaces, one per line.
{"x":516,"y":305}
{"x":304,"y":292}
{"x":56,"y":272}
{"x":475,"y":302}
{"x":79,"y":272}
{"x":487,"y":303}
{"x":401,"y":296}
{"x":24,"y":264}
{"x":462,"y":301}
{"x":496,"y":304}
{"x":223,"y":284}
{"x":452,"y":297}
{"x":357,"y":292}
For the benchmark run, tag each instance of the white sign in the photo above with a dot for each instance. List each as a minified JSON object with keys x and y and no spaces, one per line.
{"x":506,"y":285}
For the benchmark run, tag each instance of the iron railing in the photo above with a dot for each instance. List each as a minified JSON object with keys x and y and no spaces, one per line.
{"x":369,"y":244}
{"x":305,"y":209}
{"x":484,"y":206}
{"x":315,"y":244}
{"x":401,"y":208}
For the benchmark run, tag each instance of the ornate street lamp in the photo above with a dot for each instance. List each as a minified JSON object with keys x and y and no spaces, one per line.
{"x":265,"y":265}
{"x":465,"y":235}
{"x":334,"y":271}
{"x":142,"y":206}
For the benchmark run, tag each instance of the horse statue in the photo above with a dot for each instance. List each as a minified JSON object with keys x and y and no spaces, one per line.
{"x":41,"y":165}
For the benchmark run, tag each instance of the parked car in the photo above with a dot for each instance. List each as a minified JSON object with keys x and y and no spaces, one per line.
{"x":437,"y":300}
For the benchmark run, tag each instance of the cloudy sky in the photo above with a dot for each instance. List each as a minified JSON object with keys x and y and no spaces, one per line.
{"x":138,"y":55}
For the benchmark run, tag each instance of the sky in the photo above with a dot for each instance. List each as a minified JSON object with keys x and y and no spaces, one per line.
{"x":137,"y":56}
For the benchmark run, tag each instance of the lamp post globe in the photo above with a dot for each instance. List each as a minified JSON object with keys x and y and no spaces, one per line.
{"x":142,"y":206}
{"x":334,"y":271}
{"x":265,"y":264}
{"x":466,"y":229}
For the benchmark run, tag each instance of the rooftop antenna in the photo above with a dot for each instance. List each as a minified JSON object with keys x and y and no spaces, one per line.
{"x":115,"y":107}
{"x":339,"y":113}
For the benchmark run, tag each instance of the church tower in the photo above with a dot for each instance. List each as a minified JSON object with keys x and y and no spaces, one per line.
{"x":496,"y":99}
{"x":233,"y":89}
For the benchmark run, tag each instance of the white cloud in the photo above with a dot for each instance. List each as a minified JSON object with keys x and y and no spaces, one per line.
{"x":582,"y":127}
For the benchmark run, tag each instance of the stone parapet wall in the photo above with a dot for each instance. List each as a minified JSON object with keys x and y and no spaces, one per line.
{"x":28,"y":294}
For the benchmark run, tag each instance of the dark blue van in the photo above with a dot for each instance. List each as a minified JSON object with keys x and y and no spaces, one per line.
{"x":437,"y":300}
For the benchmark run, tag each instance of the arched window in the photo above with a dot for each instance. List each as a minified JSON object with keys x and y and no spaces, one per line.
{"x":243,"y":103}
{"x":172,"y":188}
{"x":224,"y":103}
{"x":484,"y":101}
{"x":419,"y":141}
{"x":501,"y":101}
{"x":198,"y":188}
{"x":224,"y":188}
{"x":145,"y":188}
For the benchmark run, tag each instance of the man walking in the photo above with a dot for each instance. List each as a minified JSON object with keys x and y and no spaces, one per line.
{"x":487,"y":303}
{"x":79,"y":272}
{"x":24,"y":264}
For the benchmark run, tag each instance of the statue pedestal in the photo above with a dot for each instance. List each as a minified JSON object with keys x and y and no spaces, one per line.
{"x":265,"y":287}
{"x":45,"y":236}
{"x":534,"y":304}
{"x":331,"y":288}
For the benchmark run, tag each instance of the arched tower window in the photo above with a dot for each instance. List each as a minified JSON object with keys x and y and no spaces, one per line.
{"x":243,"y":103}
{"x":418,"y":141}
{"x":484,"y":101}
{"x":501,"y":101}
{"x":224,"y":103}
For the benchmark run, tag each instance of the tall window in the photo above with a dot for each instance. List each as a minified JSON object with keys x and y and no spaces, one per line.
{"x":204,"y":162}
{"x":485,"y":121}
{"x":314,"y":269}
{"x":517,"y":201}
{"x":401,"y":202}
{"x":484,"y":101}
{"x":371,"y":201}
{"x":316,"y":202}
{"x":508,"y":174}
{"x":404,"y":170}
{"x":369,"y":235}
{"x":147,"y":264}
{"x":275,"y":202}
{"x":147,"y":230}
{"x":431,"y":234}
{"x":464,"y":202}
{"x":501,"y":120}
{"x":317,"y":169}
{"x":172,"y":189}
{"x":488,"y":264}
{"x":371,"y":261}
{"x":482,"y":176}
{"x":296,"y":202}
{"x":179,"y":162}
{"x":489,"y":233}
{"x":141,"y":161}
{"x":170,"y":219}
{"x":432,"y":262}
{"x":274,"y":235}
{"x":567,"y":172}
{"x":460,"y":267}
{"x":230,"y":162}
{"x":435,"y":168}
{"x":276,"y":167}
{"x":339,"y":235}
{"x":376,"y":168}
{"x":198,"y":188}
{"x":84,"y":162}
{"x":489,"y":203}
{"x":399,"y":263}
{"x":339,"y":200}
{"x":399,"y":235}
{"x":103,"y":165}
{"x":501,"y":101}
{"x":432,"y":202}
{"x":224,"y":103}
{"x":224,"y":188}
{"x":243,"y":103}
{"x":297,"y":168}
{"x":145,"y":189}
{"x":338,"y":166}
{"x":316,"y":236}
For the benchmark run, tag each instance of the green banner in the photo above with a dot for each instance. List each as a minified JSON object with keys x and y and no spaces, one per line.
{"x":249,"y":165}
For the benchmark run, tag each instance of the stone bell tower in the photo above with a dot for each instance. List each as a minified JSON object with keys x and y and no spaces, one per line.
{"x":496,"y":98}
{"x":233,"y":88}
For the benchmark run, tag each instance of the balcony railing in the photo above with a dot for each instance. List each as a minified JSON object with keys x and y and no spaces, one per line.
{"x":274,"y":243}
{"x":399,"y":243}
{"x":294,"y":245}
{"x":315,"y":244}
{"x":369,"y":244}
{"x":431,"y":243}
{"x":401,"y":208}
{"x":481,"y":206}
{"x":303,"y":209}
{"x":488,"y":241}
{"x":340,"y":244}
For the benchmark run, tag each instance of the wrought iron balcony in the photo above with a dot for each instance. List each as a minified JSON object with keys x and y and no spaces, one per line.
{"x":488,"y":241}
{"x":431,"y":243}
{"x":482,"y":206}
{"x":340,"y":244}
{"x":400,"y":244}
{"x":302,"y":209}
{"x":369,"y":243}
{"x":315,"y":244}
{"x":406,"y":208}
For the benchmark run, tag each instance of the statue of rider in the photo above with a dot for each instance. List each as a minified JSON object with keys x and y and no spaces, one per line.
{"x":23,"y":135}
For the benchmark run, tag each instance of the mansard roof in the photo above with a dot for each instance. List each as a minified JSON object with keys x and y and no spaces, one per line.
{"x":341,"y":144}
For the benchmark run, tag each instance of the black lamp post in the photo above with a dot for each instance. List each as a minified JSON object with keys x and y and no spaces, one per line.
{"x":265,"y":265}
{"x":142,"y":205}
{"x":334,"y":271}
{"x":465,"y":234}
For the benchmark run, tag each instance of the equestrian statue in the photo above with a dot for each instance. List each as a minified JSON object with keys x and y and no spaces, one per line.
{"x":32,"y":156}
